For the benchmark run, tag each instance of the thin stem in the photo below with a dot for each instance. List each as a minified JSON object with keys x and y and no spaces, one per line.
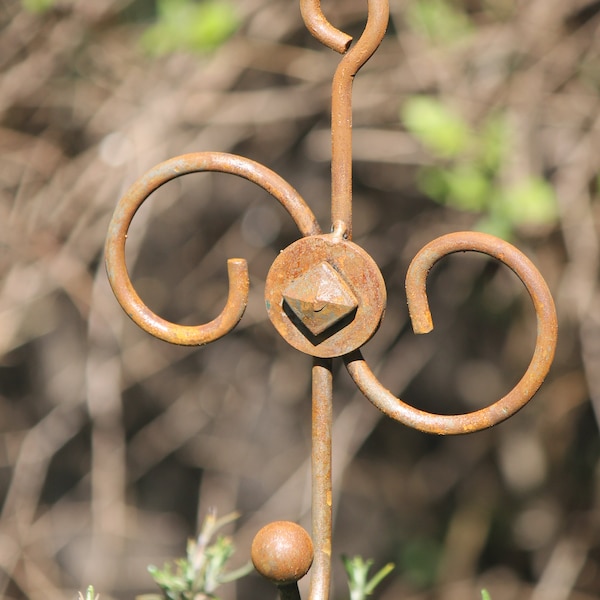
{"x":322,"y":394}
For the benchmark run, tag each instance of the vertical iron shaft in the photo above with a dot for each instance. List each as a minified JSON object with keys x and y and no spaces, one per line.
{"x":322,"y":400}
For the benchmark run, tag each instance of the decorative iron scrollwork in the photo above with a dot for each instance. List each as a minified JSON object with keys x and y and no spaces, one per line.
{"x":326,"y":297}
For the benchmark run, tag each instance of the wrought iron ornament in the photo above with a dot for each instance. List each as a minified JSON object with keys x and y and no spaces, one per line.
{"x":326,"y":297}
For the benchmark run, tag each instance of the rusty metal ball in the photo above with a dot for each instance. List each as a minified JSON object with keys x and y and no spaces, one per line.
{"x":282,"y":551}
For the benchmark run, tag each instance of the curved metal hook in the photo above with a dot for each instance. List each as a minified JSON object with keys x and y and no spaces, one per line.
{"x":341,"y":114}
{"x":237,"y":268}
{"x":321,"y":28}
{"x":547,"y":331}
{"x":377,"y":22}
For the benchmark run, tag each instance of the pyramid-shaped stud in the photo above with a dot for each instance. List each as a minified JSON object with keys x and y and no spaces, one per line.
{"x":320,"y":298}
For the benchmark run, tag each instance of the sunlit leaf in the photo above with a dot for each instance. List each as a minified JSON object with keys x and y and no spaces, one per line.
{"x":464,"y":187}
{"x":436,"y":126}
{"x":38,"y":6}
{"x":468,"y":188}
{"x":530,"y":202}
{"x":495,"y":225}
{"x":192,"y":26}
{"x":438,"y":20}
{"x":432,"y":182}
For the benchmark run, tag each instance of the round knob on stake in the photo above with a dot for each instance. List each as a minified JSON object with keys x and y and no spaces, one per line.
{"x":282,"y":552}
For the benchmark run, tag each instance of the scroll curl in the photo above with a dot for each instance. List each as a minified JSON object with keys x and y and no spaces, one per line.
{"x":547,"y":331}
{"x":237,"y":268}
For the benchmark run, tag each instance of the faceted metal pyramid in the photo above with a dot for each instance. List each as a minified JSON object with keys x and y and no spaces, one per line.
{"x":320,"y":298}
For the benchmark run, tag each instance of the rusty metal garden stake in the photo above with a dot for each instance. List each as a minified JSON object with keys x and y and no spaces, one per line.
{"x":326,"y":297}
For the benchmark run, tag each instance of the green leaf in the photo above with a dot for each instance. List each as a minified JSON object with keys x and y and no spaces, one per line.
{"x":438,"y":20}
{"x":218,"y":554}
{"x":379,"y":577}
{"x":357,"y":571}
{"x":237,"y":573}
{"x":494,"y":143}
{"x":463,"y":187}
{"x":38,"y":6}
{"x":485,"y":595}
{"x":188,"y":25}
{"x":168,"y":580}
{"x":90,"y":594}
{"x":530,"y":202}
{"x":438,"y":128}
{"x":432,"y":182}
{"x":495,"y":225}
{"x":420,"y":559}
{"x":468,"y":188}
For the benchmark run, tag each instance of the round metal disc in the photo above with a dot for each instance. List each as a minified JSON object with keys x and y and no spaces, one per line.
{"x":325,"y":296}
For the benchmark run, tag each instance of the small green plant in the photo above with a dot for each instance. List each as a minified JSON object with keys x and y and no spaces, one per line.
{"x":203,"y":570}
{"x":467,"y":173}
{"x":89,"y":595}
{"x":485,"y":595}
{"x":357,"y":570}
{"x":189,"y":25}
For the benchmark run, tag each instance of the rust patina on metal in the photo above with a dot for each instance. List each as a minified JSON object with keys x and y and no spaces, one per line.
{"x":326,"y":297}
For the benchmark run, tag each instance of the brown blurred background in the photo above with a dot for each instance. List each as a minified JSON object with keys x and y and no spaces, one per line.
{"x":114,"y":445}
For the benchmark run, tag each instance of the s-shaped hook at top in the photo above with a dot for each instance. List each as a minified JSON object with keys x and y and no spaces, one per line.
{"x":341,"y":96}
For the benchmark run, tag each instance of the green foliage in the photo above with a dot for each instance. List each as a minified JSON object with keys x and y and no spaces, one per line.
{"x":467,"y":176}
{"x":190,"y":25}
{"x":38,"y":6}
{"x":494,"y":143}
{"x":530,"y":202}
{"x":437,"y":127}
{"x":89,"y":595}
{"x":203,"y":570}
{"x":438,"y":20}
{"x":485,"y":595}
{"x":464,"y":187}
{"x":357,"y":570}
{"x":419,"y":560}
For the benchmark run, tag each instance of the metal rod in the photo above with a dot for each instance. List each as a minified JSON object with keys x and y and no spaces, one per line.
{"x":322,"y":394}
{"x":341,"y":114}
